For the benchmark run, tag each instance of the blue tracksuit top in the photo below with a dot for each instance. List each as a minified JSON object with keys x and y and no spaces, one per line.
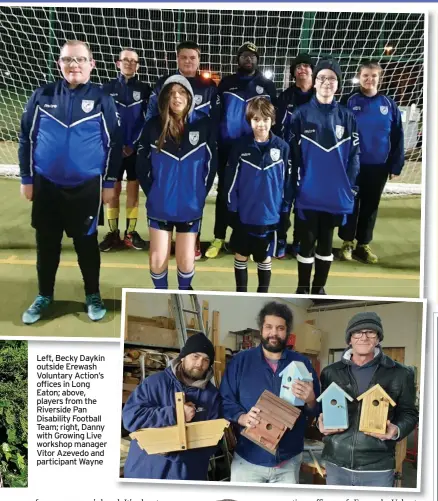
{"x":177,"y":179}
{"x":235,"y":92}
{"x":259,"y":185}
{"x":206,"y":100}
{"x":70,"y":136}
{"x":287,"y":103}
{"x":246,"y":376}
{"x":325,"y":157}
{"x":152,"y":405}
{"x":380,"y":130}
{"x":131,"y":98}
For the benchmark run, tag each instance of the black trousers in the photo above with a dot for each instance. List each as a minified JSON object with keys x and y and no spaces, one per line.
{"x":316,"y":233}
{"x":296,"y":231}
{"x":360,"y":224}
{"x":221,"y":209}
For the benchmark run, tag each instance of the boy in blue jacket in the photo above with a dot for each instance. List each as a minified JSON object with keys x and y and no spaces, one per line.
{"x":152,"y":405}
{"x":325,"y":147}
{"x":246,"y":376}
{"x":259,"y":194}
{"x":69,"y":152}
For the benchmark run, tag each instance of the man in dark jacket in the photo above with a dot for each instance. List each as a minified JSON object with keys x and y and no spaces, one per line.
{"x":353,"y":457}
{"x":246,"y":377}
{"x":152,"y":405}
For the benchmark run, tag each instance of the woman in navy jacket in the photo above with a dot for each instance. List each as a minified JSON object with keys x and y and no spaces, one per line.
{"x":176,"y":165}
{"x":381,"y":157}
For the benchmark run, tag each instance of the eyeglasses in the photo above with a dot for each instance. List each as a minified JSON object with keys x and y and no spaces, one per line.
{"x":129,"y":61}
{"x":80,"y":60}
{"x":248,"y":56}
{"x":330,"y":80}
{"x":368,"y":334}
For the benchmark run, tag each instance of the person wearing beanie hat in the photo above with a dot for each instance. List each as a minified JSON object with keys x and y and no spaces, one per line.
{"x":382,"y":157}
{"x":176,"y":166}
{"x":246,"y":377}
{"x":353,"y":457}
{"x":152,"y":405}
{"x":325,"y":158}
{"x":300,"y":92}
{"x":235,"y":92}
{"x":207,"y":103}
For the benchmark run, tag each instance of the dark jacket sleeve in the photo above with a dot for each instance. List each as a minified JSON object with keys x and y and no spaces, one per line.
{"x":115,"y":141}
{"x":295,"y":151}
{"x":229,"y":390}
{"x":288,"y":190}
{"x":142,"y":410}
{"x":353,"y":158}
{"x":211,"y":167}
{"x":405,"y":412}
{"x":138,"y":129}
{"x":152,"y":108}
{"x":396,"y":158}
{"x":25,"y":139}
{"x":143,"y":163}
{"x":215,"y":105}
{"x":281,"y":116}
{"x":231,"y":173}
{"x":272,"y":91}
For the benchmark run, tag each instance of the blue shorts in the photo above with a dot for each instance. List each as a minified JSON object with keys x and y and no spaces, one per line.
{"x":188,"y":227}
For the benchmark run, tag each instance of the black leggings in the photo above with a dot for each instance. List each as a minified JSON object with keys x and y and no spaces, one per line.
{"x":316,"y":233}
{"x":48,"y":256}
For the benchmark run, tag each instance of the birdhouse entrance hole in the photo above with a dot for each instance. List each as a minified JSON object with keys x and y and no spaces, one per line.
{"x":333,"y":401}
{"x":269,"y":426}
{"x":289,"y":379}
{"x":375,"y":403}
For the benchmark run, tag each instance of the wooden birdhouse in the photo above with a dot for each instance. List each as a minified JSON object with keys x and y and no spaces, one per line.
{"x":183,"y":435}
{"x":276,"y":417}
{"x":374,"y":413}
{"x":334,"y":407}
{"x":295,"y":371}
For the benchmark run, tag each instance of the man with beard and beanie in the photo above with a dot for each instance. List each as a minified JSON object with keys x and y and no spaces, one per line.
{"x":325,"y":164}
{"x":300,"y":92}
{"x":246,"y":376}
{"x":152,"y":405}
{"x":353,"y":457}
{"x":235,"y":92}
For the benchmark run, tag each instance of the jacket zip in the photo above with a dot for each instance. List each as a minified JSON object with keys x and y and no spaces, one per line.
{"x":71,"y":94}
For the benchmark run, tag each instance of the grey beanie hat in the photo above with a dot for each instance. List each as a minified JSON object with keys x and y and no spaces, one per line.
{"x":365,"y":320}
{"x":180,"y":80}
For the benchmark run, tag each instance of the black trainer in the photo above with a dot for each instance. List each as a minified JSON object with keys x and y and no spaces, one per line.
{"x":111,"y":241}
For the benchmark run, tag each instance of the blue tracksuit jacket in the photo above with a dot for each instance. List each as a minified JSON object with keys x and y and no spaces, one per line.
{"x":325,"y":162}
{"x":152,"y":405}
{"x":380,"y":131}
{"x":246,"y":376}
{"x":177,"y":179}
{"x":259,"y":183}
{"x":235,"y":92}
{"x":131,"y":98}
{"x":206,"y":100}
{"x":287,"y":103}
{"x":70,"y":136}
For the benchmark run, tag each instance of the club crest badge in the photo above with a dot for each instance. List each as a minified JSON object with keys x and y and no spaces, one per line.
{"x":275,"y":154}
{"x":136,"y":95}
{"x":198,"y":99}
{"x":194,"y":138}
{"x":259,"y":89}
{"x":87,"y":105}
{"x":384,"y":110}
{"x":339,"y":131}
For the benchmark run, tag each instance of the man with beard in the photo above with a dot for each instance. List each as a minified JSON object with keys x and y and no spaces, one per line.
{"x":152,"y":405}
{"x":235,"y":92}
{"x":248,"y":374}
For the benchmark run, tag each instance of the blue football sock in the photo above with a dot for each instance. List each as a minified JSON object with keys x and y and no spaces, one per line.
{"x":185,"y":279}
{"x":160,"y":279}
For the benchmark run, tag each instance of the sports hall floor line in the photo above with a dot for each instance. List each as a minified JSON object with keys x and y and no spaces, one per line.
{"x":13,"y":260}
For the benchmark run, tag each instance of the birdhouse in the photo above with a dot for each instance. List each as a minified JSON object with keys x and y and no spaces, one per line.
{"x":374,"y":413}
{"x":183,"y":435}
{"x":276,"y":417}
{"x":334,"y":407}
{"x":295,"y":371}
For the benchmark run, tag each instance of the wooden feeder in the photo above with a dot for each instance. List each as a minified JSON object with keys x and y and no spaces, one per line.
{"x":334,"y":407}
{"x":276,"y":417}
{"x":374,"y":413}
{"x":295,"y":371}
{"x":183,"y":435}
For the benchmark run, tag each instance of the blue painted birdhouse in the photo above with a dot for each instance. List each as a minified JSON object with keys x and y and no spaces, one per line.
{"x":334,"y":407}
{"x":295,"y":371}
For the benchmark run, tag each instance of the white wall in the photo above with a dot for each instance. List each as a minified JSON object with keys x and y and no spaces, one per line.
{"x":401,"y":325}
{"x":236,"y":312}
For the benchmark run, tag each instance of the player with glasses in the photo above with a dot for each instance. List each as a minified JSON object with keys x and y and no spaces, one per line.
{"x":353,"y":457}
{"x":131,"y":97}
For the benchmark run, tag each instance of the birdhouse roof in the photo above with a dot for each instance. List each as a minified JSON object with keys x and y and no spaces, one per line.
{"x":298,"y":369}
{"x":334,"y":387}
{"x":379,"y":389}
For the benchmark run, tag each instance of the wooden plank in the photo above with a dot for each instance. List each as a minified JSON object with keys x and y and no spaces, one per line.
{"x":216,"y":328}
{"x":151,"y":335}
{"x":180,"y":420}
{"x":205,"y":316}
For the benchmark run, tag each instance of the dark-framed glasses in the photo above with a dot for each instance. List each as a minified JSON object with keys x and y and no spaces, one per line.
{"x":129,"y":61}
{"x":330,"y":80}
{"x":367,"y":333}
